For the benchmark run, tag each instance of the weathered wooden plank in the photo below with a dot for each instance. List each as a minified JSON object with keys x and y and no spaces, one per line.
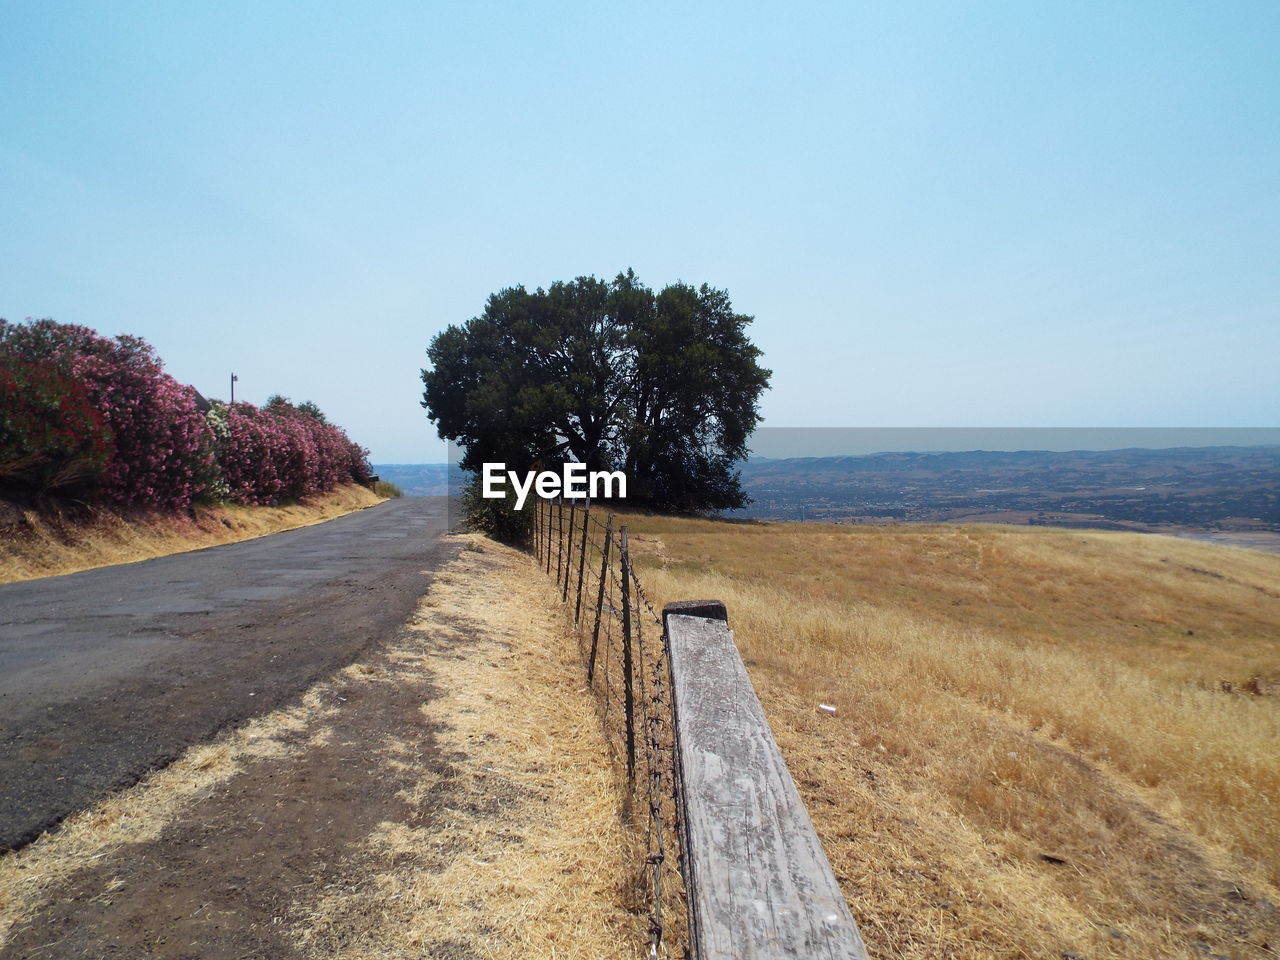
{"x":712,"y":609}
{"x":761,"y":886}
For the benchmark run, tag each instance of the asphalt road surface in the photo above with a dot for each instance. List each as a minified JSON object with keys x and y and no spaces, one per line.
{"x":108,"y":674}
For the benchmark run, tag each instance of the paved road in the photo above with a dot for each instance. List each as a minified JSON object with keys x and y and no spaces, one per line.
{"x":110,"y":673}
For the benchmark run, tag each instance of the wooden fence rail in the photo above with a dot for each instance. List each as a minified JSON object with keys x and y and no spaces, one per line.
{"x":735,"y":868}
{"x":758,"y":883}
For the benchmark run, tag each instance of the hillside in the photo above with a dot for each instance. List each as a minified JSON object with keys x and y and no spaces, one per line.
{"x":1047,"y":743}
{"x":422,"y":479}
{"x":50,"y":542}
{"x":1234,"y":488}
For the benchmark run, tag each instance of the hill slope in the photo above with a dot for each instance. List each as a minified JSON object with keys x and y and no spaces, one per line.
{"x":49,"y":543}
{"x":1235,"y":488}
{"x":1048,"y":743}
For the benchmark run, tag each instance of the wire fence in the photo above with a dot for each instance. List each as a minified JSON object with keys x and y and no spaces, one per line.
{"x":627,"y":663}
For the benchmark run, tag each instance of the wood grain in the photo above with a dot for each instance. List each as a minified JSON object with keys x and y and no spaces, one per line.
{"x":761,"y":886}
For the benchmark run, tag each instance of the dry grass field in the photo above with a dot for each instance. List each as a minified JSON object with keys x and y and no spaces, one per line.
{"x":1048,"y":743}
{"x":43,"y":545}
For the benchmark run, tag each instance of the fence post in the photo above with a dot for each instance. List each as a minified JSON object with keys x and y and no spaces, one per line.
{"x":537,"y":532}
{"x":559,"y":536}
{"x":582,"y":560}
{"x":604,"y":579}
{"x":544,"y":514}
{"x":627,"y":670}
{"x":548,"y":538}
{"x":568,"y":564}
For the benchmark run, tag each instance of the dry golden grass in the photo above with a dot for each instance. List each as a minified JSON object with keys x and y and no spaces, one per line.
{"x":38,"y":546}
{"x":1047,"y":742}
{"x":527,"y":860}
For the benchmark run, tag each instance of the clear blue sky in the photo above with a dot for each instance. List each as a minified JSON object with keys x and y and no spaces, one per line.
{"x":941,"y":214}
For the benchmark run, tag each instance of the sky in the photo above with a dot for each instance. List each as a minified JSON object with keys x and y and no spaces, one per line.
{"x":950,"y":214}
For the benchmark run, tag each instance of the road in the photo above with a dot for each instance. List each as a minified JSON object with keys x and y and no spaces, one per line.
{"x":110,"y":673}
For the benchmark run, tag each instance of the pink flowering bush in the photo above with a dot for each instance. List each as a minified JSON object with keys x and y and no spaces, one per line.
{"x":282,"y":452}
{"x":250,"y":456}
{"x":164,"y":448}
{"x":301,"y":454}
{"x":161,"y":447}
{"x":102,"y":413}
{"x":51,"y":437}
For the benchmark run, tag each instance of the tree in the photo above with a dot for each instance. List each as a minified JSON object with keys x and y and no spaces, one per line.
{"x":281,"y":404}
{"x":664,"y":386}
{"x":312,"y":411}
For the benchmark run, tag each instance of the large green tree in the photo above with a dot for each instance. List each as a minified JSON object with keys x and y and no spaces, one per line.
{"x":662,"y":385}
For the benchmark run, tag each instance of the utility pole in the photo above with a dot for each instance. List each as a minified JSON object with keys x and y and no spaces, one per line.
{"x":234,"y":378}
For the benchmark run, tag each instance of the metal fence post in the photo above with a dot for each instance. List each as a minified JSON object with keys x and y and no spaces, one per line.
{"x":568,"y":563}
{"x":548,"y":538}
{"x":582,"y":560}
{"x":559,"y":536}
{"x":544,"y":515}
{"x":542,"y":528}
{"x":627,"y":667}
{"x":537,"y":532}
{"x":604,"y":578}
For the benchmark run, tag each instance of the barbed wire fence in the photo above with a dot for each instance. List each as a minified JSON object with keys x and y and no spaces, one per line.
{"x":627,"y":661}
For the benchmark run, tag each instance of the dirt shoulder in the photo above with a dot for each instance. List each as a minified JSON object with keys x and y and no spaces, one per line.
{"x":448,"y":795}
{"x":44,"y":544}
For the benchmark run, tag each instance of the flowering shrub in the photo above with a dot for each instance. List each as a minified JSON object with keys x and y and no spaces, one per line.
{"x":51,"y":437}
{"x":282,"y":452}
{"x":162,"y":447}
{"x":216,"y":488}
{"x":357,"y":461}
{"x":102,"y":412}
{"x":250,"y":456}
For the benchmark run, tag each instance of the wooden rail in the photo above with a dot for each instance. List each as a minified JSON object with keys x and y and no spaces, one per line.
{"x":758,"y":882}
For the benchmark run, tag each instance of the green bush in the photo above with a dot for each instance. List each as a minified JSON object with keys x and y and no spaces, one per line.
{"x":385,"y":488}
{"x":498,"y":519}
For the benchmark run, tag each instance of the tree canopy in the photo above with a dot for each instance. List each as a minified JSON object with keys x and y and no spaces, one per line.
{"x":664,"y":386}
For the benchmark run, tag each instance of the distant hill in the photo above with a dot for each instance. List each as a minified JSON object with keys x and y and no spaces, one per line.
{"x":1193,"y":488}
{"x":422,"y":479}
{"x":1231,"y":487}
